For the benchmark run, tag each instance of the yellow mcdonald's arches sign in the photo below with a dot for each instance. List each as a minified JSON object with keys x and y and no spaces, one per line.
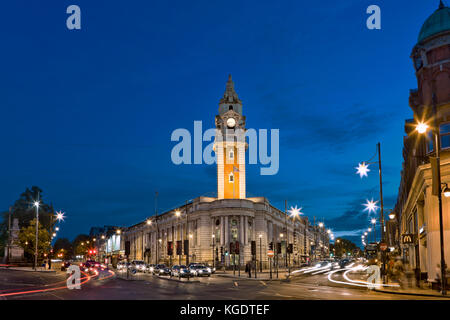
{"x":407,"y":238}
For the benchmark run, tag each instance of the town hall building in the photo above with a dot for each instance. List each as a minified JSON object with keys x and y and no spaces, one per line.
{"x":232,"y":228}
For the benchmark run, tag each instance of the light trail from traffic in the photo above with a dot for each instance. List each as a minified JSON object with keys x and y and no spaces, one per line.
{"x":356,"y":283}
{"x":85,"y":279}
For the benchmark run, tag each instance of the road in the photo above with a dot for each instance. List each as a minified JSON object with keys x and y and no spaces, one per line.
{"x":310,"y":287}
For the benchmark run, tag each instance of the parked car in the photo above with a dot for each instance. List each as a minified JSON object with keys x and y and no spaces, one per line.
{"x":180,"y":271}
{"x":213,"y":269}
{"x":161,"y":270}
{"x":139,"y":265}
{"x":200,"y":270}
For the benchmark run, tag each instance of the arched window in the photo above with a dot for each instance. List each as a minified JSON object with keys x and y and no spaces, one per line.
{"x":230,"y":108}
{"x":231,"y":178}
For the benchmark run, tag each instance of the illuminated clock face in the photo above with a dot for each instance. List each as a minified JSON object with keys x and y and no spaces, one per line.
{"x":231,"y":122}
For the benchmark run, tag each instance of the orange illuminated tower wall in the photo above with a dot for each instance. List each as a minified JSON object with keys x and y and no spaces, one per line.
{"x":230,"y":152}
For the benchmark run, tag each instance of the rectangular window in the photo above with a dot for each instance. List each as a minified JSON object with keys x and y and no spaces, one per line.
{"x":231,"y":178}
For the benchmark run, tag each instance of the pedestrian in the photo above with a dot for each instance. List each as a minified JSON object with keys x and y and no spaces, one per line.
{"x":390,"y":268}
{"x":248,"y":269}
{"x":49,"y":263}
{"x":438,"y":276}
{"x":399,"y":271}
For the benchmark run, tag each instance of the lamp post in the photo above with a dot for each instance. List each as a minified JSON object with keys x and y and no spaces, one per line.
{"x":260,"y":253}
{"x":286,"y":261}
{"x":422,"y":128}
{"x":213,"y":244}
{"x":186,"y":231}
{"x":36,"y":204}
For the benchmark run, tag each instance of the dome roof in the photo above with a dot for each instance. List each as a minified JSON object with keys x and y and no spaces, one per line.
{"x":438,"y":22}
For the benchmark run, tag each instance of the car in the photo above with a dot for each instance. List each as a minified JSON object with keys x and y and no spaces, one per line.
{"x":161,"y":270}
{"x":90,"y":266}
{"x":149,"y":268}
{"x":123,"y":265}
{"x":65,"y":265}
{"x":344,"y":262}
{"x":200,"y":270}
{"x":180,"y":271}
{"x":213,"y":269}
{"x":139,"y":265}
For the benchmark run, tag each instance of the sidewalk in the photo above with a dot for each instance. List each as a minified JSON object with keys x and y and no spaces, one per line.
{"x":28,"y":269}
{"x":423,"y":291}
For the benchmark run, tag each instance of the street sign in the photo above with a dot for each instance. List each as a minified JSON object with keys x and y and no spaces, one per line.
{"x":383,"y":246}
{"x":270,"y":253}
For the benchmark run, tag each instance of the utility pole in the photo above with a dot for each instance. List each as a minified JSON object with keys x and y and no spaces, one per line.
{"x":9,"y":236}
{"x":187,"y":235}
{"x":383,"y":254}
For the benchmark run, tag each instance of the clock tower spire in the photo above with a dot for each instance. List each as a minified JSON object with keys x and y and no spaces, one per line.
{"x":230,"y":145}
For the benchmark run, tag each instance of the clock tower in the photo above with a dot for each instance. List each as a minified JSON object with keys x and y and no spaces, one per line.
{"x":230,"y":145}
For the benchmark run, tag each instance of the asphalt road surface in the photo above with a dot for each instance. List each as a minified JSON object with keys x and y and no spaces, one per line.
{"x":50,"y":286}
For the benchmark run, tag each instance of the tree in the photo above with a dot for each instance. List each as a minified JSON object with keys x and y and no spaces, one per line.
{"x":80,"y":244}
{"x":27,"y":239}
{"x":342,"y":247}
{"x":24,"y":210}
{"x":64,"y":246}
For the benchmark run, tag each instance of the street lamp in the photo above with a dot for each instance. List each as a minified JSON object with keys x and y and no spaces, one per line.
{"x":422,"y":128}
{"x":446,"y":191}
{"x":36,"y":204}
{"x":118,"y":231}
{"x":213,"y":244}
{"x":321,"y":224}
{"x":260,"y":253}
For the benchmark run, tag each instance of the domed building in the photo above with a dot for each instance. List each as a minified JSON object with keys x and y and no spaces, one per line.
{"x":417,"y":209}
{"x":231,"y":229}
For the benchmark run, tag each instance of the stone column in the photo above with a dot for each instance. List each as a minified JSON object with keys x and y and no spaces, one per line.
{"x":241,"y":229}
{"x":222,"y":231}
{"x":246,"y":230}
{"x":226,"y":231}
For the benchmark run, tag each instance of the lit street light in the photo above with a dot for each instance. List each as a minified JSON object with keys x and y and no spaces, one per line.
{"x":36,"y":204}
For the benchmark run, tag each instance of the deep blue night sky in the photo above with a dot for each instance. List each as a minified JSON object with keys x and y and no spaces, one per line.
{"x":87,"y":115}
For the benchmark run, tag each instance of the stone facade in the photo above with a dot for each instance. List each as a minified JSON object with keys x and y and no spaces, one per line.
{"x":417,"y":208}
{"x":213,"y":223}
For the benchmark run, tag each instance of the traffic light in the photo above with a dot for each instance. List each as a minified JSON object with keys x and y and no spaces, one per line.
{"x":271,"y":246}
{"x":221,"y":251}
{"x":290,"y":248}
{"x":253,"y":245}
{"x":232,"y":247}
{"x":169,"y":248}
{"x":278,"y":247}
{"x":179,"y":249}
{"x":237,"y":247}
{"x":186,"y":247}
